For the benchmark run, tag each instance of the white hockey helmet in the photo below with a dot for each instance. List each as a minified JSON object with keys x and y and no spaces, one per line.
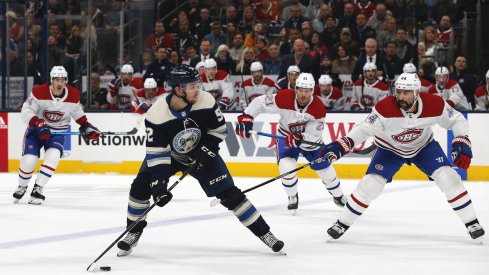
{"x":210,"y":63}
{"x":409,"y":81}
{"x":256,"y":66}
{"x":293,"y":69}
{"x":441,"y":71}
{"x":325,"y":80}
{"x":199,"y":65}
{"x":150,"y":83}
{"x":409,"y":68}
{"x":305,"y":80}
{"x":58,"y":71}
{"x":127,"y":69}
{"x":369,"y":66}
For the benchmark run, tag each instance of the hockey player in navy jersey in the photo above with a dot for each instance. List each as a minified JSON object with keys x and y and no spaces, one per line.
{"x":401,"y":125}
{"x":48,"y":110}
{"x":184,"y":127}
{"x":301,"y":118}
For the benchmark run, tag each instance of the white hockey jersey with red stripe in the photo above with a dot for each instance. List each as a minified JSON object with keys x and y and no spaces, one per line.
{"x":366,"y":95}
{"x":406,"y":134}
{"x":425,"y":85}
{"x":482,"y":97}
{"x":252,"y":90}
{"x":453,"y":94}
{"x":56,"y":111}
{"x":120,"y":95}
{"x":333,"y":101}
{"x":222,"y":89}
{"x":141,"y":98}
{"x":309,"y":121}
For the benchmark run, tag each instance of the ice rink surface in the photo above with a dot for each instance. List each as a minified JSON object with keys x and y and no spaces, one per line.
{"x":409,"y":229}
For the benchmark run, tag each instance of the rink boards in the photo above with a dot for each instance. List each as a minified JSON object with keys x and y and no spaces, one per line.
{"x":254,"y":157}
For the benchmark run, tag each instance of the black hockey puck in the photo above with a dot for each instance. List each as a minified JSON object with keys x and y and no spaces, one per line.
{"x":105,"y":268}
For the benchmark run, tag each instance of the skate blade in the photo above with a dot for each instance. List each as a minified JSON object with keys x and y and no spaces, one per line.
{"x":123,"y":253}
{"x":480,"y":241}
{"x":35,"y":201}
{"x":294,"y":212}
{"x":283,"y":253}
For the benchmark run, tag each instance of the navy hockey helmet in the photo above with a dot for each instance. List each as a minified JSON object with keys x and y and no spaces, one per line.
{"x":181,"y":74}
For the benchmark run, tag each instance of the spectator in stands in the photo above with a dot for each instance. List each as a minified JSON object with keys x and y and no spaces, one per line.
{"x":190,"y":53}
{"x":372,"y":55}
{"x":249,"y":19}
{"x":379,"y":19}
{"x":315,"y":11}
{"x":344,"y":63}
{"x":175,"y":23}
{"x":56,"y":7}
{"x":159,"y":37}
{"x":289,"y":10}
{"x":273,"y":63}
{"x":317,"y":48}
{"x":267,"y":12}
{"x":192,"y":9}
{"x":261,"y":49}
{"x":55,"y":55}
{"x":33,"y":27}
{"x":203,"y":25}
{"x":389,"y":33}
{"x":466,"y":80}
{"x":405,"y":50}
{"x":231,"y":17}
{"x":15,"y":31}
{"x":365,"y":7}
{"x":286,"y":47}
{"x":33,"y":69}
{"x":393,"y":64}
{"x":109,"y":42}
{"x":99,"y":95}
{"x":216,"y":36}
{"x":251,"y":38}
{"x":296,"y":18}
{"x":174,"y":58}
{"x":306,"y":31}
{"x":325,"y":67}
{"x":223,"y":60}
{"x":431,"y":45}
{"x":74,"y":43}
{"x":426,"y":65}
{"x":348,"y":19}
{"x":445,"y":7}
{"x":237,"y":50}
{"x":54,"y":32}
{"x":232,"y":31}
{"x":347,"y":42}
{"x":319,"y":23}
{"x":331,"y":33}
{"x":147,"y":60}
{"x":361,"y":32}
{"x":205,"y":52}
{"x":243,"y":67}
{"x":482,"y":95}
{"x":301,"y":59}
{"x":184,"y":37}
{"x":445,"y":32}
{"x":160,"y":66}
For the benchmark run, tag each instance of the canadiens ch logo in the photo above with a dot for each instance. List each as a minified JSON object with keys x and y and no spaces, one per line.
{"x":408,"y":136}
{"x":53,"y":116}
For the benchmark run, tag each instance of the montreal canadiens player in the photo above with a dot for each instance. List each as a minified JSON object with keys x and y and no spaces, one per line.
{"x":482,"y":95}
{"x":301,"y":118}
{"x":217,"y":83}
{"x":288,"y":82}
{"x":401,"y":125}
{"x":257,"y":85}
{"x":184,"y":127}
{"x":147,"y":96}
{"x":48,"y":110}
{"x":449,"y":90}
{"x":330,"y":95}
{"x":410,"y":68}
{"x":122,"y":90}
{"x":369,"y":90}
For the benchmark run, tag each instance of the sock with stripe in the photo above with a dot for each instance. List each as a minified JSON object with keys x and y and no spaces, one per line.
{"x":49,"y":165}
{"x":26,"y":169}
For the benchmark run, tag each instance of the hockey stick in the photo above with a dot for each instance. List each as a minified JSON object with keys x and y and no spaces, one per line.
{"x":131,"y":132}
{"x":93,"y":266}
{"x":363,"y":151}
{"x":217,"y":201}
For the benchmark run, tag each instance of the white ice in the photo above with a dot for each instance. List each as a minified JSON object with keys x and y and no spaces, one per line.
{"x":409,"y":229}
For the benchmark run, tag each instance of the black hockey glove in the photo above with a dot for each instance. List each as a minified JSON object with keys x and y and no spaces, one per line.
{"x":161,"y":195}
{"x":203,"y":154}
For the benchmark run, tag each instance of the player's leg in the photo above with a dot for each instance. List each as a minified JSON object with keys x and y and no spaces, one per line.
{"x":30,"y":156}
{"x":432,"y":161}
{"x":52,"y":155}
{"x":216,"y":180}
{"x":383,"y":166}
{"x":287,"y":160}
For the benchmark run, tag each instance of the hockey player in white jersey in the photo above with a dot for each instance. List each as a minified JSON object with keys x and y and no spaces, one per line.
{"x":410,"y":68}
{"x":449,"y":90}
{"x":482,"y":95}
{"x":256,"y":86}
{"x":368,"y":91}
{"x":288,"y":82}
{"x":48,"y":110}
{"x":217,"y":83}
{"x":301,"y":118}
{"x":330,"y":95}
{"x":147,"y":96}
{"x":122,"y":90}
{"x":401,"y":125}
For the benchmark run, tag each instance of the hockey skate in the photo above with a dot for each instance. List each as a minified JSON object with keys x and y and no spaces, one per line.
{"x":36,"y":195}
{"x":293,"y":202}
{"x":476,"y":232}
{"x":125,"y":246}
{"x":19,"y":193}
{"x":271,"y":241}
{"x":340,"y":201}
{"x":337,"y":230}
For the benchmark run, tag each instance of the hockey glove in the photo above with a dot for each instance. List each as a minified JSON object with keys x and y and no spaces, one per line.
{"x":160,"y":192}
{"x":244,"y":126}
{"x":294,"y":140}
{"x":143,"y":108}
{"x":203,"y":154}
{"x":89,"y":132}
{"x":461,"y":152}
{"x":224,"y":103}
{"x":337,"y":149}
{"x":356,"y":107}
{"x":42,"y":129}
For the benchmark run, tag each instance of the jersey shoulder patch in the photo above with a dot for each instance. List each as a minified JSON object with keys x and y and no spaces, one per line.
{"x":388,"y":108}
{"x":432,"y":105}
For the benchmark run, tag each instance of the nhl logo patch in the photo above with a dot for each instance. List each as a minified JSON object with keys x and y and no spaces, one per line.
{"x":379,"y":167}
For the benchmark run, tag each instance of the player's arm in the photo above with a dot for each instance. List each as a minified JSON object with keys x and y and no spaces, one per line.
{"x":313,"y":133}
{"x":455,"y":95}
{"x":158,"y":151}
{"x":355,"y":98}
{"x":228,"y":99}
{"x":113,"y":91}
{"x":29,"y":110}
{"x":87,"y":130}
{"x":261,"y":104}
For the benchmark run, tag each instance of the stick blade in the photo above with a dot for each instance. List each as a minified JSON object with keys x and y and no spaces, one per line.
{"x":92,"y":267}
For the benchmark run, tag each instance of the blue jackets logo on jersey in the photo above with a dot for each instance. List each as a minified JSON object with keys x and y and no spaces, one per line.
{"x":53,"y":116}
{"x":408,"y":136}
{"x":186,"y":140}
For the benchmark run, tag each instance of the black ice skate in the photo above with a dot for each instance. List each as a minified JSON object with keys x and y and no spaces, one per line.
{"x":340,"y":201}
{"x":293,"y":202}
{"x":36,"y":195}
{"x":476,"y":231}
{"x":125,"y":246}
{"x":19,"y":193}
{"x":271,"y":241}
{"x":337,"y":230}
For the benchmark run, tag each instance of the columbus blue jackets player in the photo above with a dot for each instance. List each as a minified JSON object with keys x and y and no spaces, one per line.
{"x":183,"y":127}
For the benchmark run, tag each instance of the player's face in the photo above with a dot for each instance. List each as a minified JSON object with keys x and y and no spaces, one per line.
{"x":303,"y":95}
{"x":126,"y":77}
{"x":211,"y":73}
{"x":442,"y":80}
{"x":257,"y":75}
{"x":58,"y":84}
{"x":293,"y":77}
{"x":370,"y":75}
{"x":150,"y":93}
{"x":325,"y":89}
{"x":192,"y":91}
{"x":405,"y":99}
